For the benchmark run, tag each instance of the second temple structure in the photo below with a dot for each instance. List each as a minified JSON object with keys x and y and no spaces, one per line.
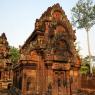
{"x":49,"y":63}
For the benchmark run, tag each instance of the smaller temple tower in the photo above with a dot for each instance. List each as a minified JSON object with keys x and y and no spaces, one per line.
{"x":5,"y":63}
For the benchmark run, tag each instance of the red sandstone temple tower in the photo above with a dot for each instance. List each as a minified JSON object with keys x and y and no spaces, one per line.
{"x":5,"y":63}
{"x":49,"y":63}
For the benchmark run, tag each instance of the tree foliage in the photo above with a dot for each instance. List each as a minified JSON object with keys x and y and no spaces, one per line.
{"x":83,"y":14}
{"x":14,"y":54}
{"x":85,"y":68}
{"x":93,"y":69}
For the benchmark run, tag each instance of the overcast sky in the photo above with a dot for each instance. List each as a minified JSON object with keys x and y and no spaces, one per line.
{"x":17,"y":18}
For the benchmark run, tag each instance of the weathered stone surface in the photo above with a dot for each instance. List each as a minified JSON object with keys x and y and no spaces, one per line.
{"x":51,"y":47}
{"x":5,"y":72}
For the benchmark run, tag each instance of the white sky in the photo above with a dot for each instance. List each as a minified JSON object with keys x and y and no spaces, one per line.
{"x":17,"y":18}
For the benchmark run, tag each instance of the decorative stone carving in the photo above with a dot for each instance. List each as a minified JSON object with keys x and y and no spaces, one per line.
{"x":51,"y":46}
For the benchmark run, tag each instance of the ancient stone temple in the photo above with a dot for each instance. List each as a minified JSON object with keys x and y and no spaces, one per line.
{"x":5,"y":63}
{"x":49,"y":63}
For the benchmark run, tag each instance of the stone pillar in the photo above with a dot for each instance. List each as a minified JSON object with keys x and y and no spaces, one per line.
{"x":43,"y":77}
{"x":39,"y":77}
{"x":69,"y":81}
{"x":46,"y":79}
{"x":24,"y":83}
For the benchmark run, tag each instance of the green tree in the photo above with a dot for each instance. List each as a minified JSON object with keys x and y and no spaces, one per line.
{"x":93,"y":69}
{"x":84,"y":70}
{"x":14,"y":54}
{"x":85,"y":67}
{"x":83,"y":16}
